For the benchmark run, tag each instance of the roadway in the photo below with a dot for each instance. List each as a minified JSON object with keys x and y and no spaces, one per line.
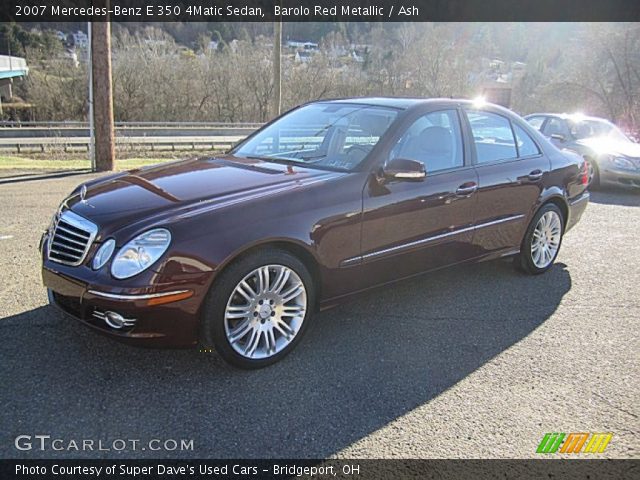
{"x":473,"y":362}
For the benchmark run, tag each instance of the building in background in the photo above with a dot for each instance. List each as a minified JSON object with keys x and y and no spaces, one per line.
{"x":499,"y":79}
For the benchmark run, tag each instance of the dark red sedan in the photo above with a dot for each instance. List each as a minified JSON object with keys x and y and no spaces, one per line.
{"x":333,"y":198}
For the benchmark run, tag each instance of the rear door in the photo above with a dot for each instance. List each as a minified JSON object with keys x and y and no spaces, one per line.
{"x":511,"y":169}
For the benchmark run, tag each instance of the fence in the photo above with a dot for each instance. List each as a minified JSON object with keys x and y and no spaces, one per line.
{"x":21,"y":137}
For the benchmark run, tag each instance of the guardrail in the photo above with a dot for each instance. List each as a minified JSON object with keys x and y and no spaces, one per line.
{"x":78,"y":124}
{"x":43,"y":144}
{"x":24,"y":137}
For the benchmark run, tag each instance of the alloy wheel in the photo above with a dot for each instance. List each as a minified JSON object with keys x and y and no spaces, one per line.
{"x":265,"y":311}
{"x":546,"y":239}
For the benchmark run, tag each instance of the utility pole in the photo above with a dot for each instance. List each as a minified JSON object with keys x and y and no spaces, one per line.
{"x":92,"y":140}
{"x":102,"y":96}
{"x":277,"y":67}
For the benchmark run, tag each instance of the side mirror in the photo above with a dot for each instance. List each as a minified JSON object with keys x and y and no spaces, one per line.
{"x":404,"y":169}
{"x":557,"y":136}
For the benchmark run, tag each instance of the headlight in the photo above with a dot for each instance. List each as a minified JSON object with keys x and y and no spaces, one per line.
{"x":623,"y":163}
{"x":140,"y":253}
{"x":104,"y":254}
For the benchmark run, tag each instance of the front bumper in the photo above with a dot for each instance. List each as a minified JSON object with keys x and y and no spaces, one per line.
{"x":620,"y":177}
{"x":148,"y":322}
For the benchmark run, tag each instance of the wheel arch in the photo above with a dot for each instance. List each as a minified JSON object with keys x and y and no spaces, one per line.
{"x":561,"y":203}
{"x":294,"y":247}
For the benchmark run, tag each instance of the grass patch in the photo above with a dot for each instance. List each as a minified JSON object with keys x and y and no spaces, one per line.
{"x":30,"y":163}
{"x":60,"y":160}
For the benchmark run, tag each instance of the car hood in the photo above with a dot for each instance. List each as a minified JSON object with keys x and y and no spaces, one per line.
{"x":603,"y":145}
{"x":125,"y":198}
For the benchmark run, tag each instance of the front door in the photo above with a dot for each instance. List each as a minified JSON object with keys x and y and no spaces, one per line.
{"x":411,"y":226}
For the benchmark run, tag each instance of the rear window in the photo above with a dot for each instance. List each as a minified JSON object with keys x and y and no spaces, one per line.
{"x":526,"y":145}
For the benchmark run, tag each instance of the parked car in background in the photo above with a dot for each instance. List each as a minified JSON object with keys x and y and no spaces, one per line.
{"x":333,"y":198}
{"x":614,"y":158}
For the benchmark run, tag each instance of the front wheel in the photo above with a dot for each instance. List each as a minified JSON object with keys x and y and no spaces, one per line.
{"x":593,"y":172}
{"x":259,"y":308}
{"x":541,"y":243}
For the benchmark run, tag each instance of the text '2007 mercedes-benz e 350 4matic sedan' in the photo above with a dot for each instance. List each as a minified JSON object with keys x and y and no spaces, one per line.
{"x":237,"y":251}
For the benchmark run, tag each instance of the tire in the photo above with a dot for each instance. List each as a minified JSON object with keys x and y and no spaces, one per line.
{"x":238,"y":302}
{"x":532,"y":258}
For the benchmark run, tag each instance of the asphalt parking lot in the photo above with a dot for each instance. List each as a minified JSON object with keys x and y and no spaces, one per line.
{"x":474,"y":362}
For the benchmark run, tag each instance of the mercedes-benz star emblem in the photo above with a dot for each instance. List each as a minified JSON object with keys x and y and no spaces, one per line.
{"x":83,"y":194}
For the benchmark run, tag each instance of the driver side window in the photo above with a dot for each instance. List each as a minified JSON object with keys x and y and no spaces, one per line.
{"x":433,"y":139}
{"x":555,"y":126}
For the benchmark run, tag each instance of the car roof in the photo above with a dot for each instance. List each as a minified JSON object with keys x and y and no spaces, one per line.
{"x":402,"y":103}
{"x":567,"y":116}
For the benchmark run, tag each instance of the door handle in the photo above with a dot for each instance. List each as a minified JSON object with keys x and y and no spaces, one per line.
{"x":535,"y":175}
{"x":466,"y":189}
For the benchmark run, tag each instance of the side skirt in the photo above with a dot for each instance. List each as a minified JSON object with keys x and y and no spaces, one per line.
{"x":335,"y":301}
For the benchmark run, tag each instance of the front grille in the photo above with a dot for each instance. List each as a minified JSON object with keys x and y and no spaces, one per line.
{"x":71,"y":238}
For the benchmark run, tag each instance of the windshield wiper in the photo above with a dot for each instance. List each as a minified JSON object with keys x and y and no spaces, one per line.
{"x":313,"y":157}
{"x":286,"y":161}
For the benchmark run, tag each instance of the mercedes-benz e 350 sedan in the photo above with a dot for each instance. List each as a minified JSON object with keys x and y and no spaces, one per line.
{"x":237,"y":251}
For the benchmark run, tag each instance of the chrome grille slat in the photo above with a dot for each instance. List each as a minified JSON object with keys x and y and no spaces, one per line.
{"x":77,"y":242}
{"x":71,"y":232}
{"x":58,"y":252}
{"x":71,"y":238}
{"x":70,"y":229}
{"x":56,"y":243}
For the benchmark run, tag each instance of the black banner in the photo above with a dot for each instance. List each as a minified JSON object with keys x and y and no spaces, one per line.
{"x":318,"y":469}
{"x":318,"y":10}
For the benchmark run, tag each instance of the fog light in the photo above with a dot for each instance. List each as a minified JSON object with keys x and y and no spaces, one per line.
{"x":114,"y":320}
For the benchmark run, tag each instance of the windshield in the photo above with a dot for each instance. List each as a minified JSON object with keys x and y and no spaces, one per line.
{"x":325,"y":135}
{"x":597,"y":128}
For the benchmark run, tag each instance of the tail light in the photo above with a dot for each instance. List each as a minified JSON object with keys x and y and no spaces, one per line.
{"x":584,"y":176}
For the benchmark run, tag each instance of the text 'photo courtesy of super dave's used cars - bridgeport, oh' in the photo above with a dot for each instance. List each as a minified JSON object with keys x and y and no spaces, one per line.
{"x":236,"y":252}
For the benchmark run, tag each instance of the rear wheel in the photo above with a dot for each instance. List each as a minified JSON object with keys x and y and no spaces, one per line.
{"x":259,"y":308}
{"x":542,"y":240}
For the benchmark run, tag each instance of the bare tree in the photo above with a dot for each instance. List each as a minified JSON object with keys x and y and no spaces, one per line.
{"x":590,"y":67}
